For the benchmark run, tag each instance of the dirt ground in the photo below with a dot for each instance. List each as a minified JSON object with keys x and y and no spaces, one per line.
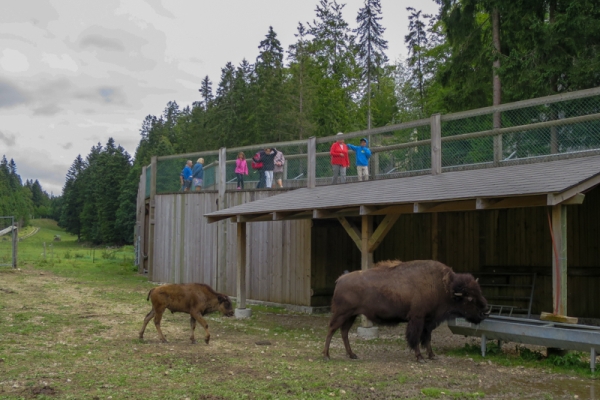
{"x":90,"y":350}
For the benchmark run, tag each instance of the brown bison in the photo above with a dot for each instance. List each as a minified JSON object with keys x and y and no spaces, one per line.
{"x":195,"y":299}
{"x":422,"y":293}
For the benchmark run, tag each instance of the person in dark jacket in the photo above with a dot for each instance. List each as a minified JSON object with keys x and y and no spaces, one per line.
{"x":198,"y":175}
{"x":267,"y":158}
{"x":261,"y":171}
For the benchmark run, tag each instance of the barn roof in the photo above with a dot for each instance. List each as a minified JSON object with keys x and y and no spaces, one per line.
{"x":524,"y":185}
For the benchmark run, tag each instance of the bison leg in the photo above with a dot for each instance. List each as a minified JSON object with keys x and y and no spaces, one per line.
{"x":193,"y":326}
{"x":198,"y":317}
{"x":149,"y":316}
{"x":157,"y":318}
{"x":335,"y":323}
{"x":426,"y":339}
{"x":344,"y":331}
{"x":414,"y":329}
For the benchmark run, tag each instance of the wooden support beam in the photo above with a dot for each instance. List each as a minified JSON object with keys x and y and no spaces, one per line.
{"x":559,"y":259}
{"x":555,"y":199}
{"x":320,"y":214}
{"x":352,"y":230}
{"x":511,"y":202}
{"x":311,"y":179}
{"x":436,"y":144}
{"x":544,"y":316}
{"x":241,"y":265}
{"x":254,"y":217}
{"x":366,"y":256}
{"x":382,"y":230}
{"x":368,"y":210}
{"x":5,"y":231}
{"x":581,"y":188}
{"x":445,"y":206}
{"x":396,"y":209}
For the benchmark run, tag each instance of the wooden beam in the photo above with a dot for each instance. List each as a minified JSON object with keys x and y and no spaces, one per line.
{"x":382,"y":230}
{"x":241,"y":265}
{"x":5,"y":231}
{"x":311,"y":179}
{"x":287,"y":215}
{"x":445,"y":206}
{"x":366,"y":258}
{"x":319,"y":214}
{"x":254,"y":217}
{"x":544,"y":316}
{"x":511,"y":202}
{"x":352,"y":230}
{"x":368,"y":210}
{"x":436,"y":144}
{"x":555,"y":199}
{"x":559,"y":259}
{"x":395,"y":209}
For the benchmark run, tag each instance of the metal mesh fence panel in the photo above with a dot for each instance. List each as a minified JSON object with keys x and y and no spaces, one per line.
{"x":6,"y":241}
{"x":169,"y":171}
{"x":294,"y":169}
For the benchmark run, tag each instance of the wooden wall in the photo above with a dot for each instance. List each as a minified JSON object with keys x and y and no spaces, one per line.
{"x":186,"y":248}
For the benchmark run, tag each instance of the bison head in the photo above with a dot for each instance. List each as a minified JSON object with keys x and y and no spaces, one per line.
{"x":468,"y":300}
{"x":225,"y":306}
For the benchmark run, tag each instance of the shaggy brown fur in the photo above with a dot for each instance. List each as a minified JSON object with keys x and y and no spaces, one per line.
{"x":423,"y":293}
{"x":195,"y":299}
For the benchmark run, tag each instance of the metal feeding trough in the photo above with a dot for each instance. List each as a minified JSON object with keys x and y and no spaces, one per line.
{"x":529,"y":331}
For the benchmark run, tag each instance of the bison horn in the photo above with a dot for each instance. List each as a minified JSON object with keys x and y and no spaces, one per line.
{"x":458,"y":294}
{"x":477,"y":280}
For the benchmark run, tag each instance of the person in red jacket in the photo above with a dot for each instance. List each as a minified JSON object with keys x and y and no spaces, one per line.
{"x":339,"y":159}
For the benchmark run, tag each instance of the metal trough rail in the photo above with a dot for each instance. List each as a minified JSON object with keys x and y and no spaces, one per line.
{"x":529,"y":331}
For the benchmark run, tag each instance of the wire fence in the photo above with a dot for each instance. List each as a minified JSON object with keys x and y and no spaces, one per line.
{"x":7,"y":236}
{"x":554,"y":125}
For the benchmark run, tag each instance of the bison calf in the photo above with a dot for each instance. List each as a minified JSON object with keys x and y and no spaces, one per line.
{"x":195,"y":299}
{"x":422,"y":293}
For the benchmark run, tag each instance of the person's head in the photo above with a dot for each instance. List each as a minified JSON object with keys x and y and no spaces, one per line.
{"x":268,"y":150}
{"x":340,"y":138}
{"x":363,"y":142}
{"x":189,"y":163}
{"x":241,"y":155}
{"x":200,"y":160}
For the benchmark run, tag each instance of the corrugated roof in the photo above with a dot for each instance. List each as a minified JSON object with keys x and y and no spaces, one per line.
{"x":553,"y":177}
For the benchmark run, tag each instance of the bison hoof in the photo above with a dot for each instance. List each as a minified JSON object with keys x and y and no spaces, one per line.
{"x":325,"y":358}
{"x":194,"y":341}
{"x":353,"y":356}
{"x":433,"y":357}
{"x":164,"y":341}
{"x":206,"y":340}
{"x":420,"y":360}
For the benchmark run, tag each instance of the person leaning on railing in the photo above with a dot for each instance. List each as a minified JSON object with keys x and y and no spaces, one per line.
{"x":339,"y":159}
{"x":363,"y":153}
{"x":186,"y":177}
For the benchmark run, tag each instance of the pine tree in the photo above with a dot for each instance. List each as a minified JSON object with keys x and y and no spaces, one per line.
{"x":73,"y":198}
{"x":371,"y":46}
{"x":206,"y":93}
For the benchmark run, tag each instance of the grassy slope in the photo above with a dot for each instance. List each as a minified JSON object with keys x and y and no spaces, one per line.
{"x":69,"y":327}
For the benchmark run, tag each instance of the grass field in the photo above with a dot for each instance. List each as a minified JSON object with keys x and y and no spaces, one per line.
{"x":69,"y":326}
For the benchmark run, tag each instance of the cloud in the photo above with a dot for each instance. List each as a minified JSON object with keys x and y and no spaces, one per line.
{"x":49,"y":109}
{"x":14,"y":61}
{"x":10,"y":95}
{"x":64,"y":61}
{"x":8,"y":140}
{"x":101,"y":42}
{"x":103,"y":94}
{"x":67,"y":146}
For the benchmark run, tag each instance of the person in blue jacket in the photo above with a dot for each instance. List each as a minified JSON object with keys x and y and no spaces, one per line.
{"x":186,"y":177}
{"x":363,"y":153}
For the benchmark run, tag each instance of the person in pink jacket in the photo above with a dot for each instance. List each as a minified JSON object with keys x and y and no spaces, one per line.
{"x":241,"y":169}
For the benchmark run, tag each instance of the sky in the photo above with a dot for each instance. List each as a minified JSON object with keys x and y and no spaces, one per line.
{"x":75,"y":73}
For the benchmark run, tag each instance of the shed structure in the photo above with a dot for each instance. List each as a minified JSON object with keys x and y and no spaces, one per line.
{"x":483,"y":203}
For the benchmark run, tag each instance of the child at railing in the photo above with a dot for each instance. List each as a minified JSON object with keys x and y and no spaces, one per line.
{"x":241,"y":169}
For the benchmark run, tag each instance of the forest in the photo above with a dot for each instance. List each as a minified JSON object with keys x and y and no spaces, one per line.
{"x":338,"y":77}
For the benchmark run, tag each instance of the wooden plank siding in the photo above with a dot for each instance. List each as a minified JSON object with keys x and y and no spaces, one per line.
{"x":515,"y":240}
{"x":186,"y":248}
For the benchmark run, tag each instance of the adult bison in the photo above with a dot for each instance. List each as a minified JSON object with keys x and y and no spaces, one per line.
{"x":195,"y":299}
{"x":422,"y":293}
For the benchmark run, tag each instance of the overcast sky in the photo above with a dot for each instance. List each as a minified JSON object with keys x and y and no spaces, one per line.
{"x":74,"y":73}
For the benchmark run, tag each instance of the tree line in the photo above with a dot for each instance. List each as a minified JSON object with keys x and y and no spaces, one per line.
{"x":336,"y":76}
{"x":23,"y":201}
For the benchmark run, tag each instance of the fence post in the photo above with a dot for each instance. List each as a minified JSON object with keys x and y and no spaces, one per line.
{"x":222,"y":225}
{"x":312,"y":162}
{"x":154,"y":173}
{"x":498,"y":138}
{"x":436,"y":144}
{"x":15,"y":245}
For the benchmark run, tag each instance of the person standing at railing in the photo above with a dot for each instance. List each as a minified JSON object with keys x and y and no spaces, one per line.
{"x":268,"y":160}
{"x":186,"y":177}
{"x":241,"y":169}
{"x":278,"y":170}
{"x":198,"y":175}
{"x":363,"y":153}
{"x":339,"y":159}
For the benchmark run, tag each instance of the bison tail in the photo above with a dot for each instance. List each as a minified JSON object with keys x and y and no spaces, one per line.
{"x":149,"y":293}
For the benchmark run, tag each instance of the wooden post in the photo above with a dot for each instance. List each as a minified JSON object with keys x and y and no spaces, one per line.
{"x":142,"y":222}
{"x":15,"y":245}
{"x":311,"y":179}
{"x":154,"y":173}
{"x":366,"y":259}
{"x":436,"y":144}
{"x":434,"y":236}
{"x":559,"y":256}
{"x":241,"y":265}
{"x":222,"y":225}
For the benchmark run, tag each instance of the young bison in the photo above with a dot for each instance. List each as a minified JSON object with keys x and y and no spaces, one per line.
{"x":422,"y":293}
{"x":195,"y":299}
